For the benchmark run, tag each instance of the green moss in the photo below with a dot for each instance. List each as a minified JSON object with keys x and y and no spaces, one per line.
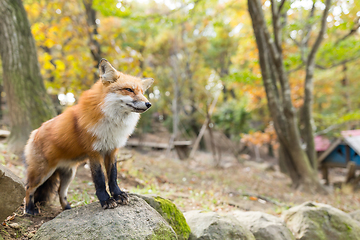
{"x":348,"y":227}
{"x":170,"y":213}
{"x":323,"y":224}
{"x":162,"y":233}
{"x":174,"y":217}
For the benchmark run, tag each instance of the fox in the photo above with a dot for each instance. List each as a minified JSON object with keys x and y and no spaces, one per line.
{"x":94,"y":129}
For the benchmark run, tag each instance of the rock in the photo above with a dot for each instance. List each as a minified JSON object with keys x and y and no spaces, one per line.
{"x":264,"y":166}
{"x":12,"y":192}
{"x":30,"y":235}
{"x":170,"y":213}
{"x":4,"y":133}
{"x":210,"y":225}
{"x":311,"y":220}
{"x":264,"y":226}
{"x":355,"y":215}
{"x":14,"y":225}
{"x":137,"y":220}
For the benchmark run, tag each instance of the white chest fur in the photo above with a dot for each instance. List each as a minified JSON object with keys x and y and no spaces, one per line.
{"x":116,"y":126}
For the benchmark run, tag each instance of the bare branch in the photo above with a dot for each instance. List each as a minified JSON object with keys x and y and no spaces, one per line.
{"x":276,"y":25}
{"x":295,"y":41}
{"x":296,"y":69}
{"x":308,"y":27}
{"x":320,"y":36}
{"x":337,"y":64}
{"x":183,"y":6}
{"x":301,"y":46}
{"x":281,"y":5}
{"x":352,"y":31}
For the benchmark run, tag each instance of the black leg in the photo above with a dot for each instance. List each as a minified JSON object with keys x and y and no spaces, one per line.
{"x":30,"y":206}
{"x":99,"y":181}
{"x":120,"y":196}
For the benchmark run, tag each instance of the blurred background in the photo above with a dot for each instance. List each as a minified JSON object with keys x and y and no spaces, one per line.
{"x":238,"y":86}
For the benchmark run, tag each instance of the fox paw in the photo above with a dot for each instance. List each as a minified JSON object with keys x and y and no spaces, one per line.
{"x":67,"y":207}
{"x":32,"y":211}
{"x":107,"y":204}
{"x":122,"y":198}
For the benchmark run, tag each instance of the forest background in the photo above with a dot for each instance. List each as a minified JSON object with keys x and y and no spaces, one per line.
{"x":207,"y":65}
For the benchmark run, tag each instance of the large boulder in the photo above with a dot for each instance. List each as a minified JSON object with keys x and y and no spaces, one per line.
{"x":170,"y":213}
{"x":319,"y":221}
{"x":210,"y":225}
{"x":12,"y":192}
{"x":137,"y":220}
{"x":264,"y":226}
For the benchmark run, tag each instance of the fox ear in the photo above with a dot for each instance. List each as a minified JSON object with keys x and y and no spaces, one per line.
{"x":146,"y":82}
{"x":108,"y":73}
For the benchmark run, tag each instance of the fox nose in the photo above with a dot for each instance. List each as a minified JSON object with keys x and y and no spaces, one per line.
{"x":148,"y":105}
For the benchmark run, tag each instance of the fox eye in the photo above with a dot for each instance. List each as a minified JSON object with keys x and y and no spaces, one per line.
{"x":129,"y":90}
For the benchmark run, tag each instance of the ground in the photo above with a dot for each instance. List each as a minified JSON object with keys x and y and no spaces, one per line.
{"x":190,"y":184}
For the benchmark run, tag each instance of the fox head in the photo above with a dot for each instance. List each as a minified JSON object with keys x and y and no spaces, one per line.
{"x":124,"y":93}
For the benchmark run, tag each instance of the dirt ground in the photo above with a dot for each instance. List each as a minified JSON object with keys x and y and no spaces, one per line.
{"x":190,"y":184}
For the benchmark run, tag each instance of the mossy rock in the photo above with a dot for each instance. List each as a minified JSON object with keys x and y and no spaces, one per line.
{"x":135,"y":221}
{"x":207,"y":225}
{"x":170,"y":213}
{"x":312,"y":220}
{"x":264,"y":226}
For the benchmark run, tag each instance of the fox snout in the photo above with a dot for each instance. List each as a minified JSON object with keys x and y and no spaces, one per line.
{"x":139,"y":106}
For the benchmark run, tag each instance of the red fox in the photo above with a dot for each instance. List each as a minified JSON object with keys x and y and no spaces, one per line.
{"x":93,"y":129}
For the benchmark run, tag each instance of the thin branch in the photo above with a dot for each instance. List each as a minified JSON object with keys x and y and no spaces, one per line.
{"x":161,"y":16}
{"x":295,"y":41}
{"x":337,"y":64}
{"x":308,"y":27}
{"x":281,"y":5}
{"x":258,"y":196}
{"x":320,"y":35}
{"x":301,"y":46}
{"x":183,"y":6}
{"x":329,"y":129}
{"x":352,"y":31}
{"x":296,"y":69}
{"x":276,"y":25}
{"x":335,"y":126}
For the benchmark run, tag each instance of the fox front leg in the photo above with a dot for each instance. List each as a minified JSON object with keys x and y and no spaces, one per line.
{"x":121,"y":197}
{"x":99,"y":181}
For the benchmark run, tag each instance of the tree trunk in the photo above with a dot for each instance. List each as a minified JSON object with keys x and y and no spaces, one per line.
{"x":29,"y":104}
{"x":1,"y":103}
{"x":278,"y":95}
{"x":286,"y":166}
{"x":308,"y":125}
{"x":345,"y":84}
{"x":309,"y":89}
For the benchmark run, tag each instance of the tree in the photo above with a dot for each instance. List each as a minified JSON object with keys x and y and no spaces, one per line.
{"x":301,"y":165}
{"x":29,"y":104}
{"x":94,"y":45}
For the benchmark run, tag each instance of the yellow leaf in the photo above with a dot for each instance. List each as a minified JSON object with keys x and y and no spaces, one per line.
{"x":60,"y":66}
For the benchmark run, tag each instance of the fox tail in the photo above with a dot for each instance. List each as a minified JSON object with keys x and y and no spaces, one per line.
{"x":46,"y":191}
